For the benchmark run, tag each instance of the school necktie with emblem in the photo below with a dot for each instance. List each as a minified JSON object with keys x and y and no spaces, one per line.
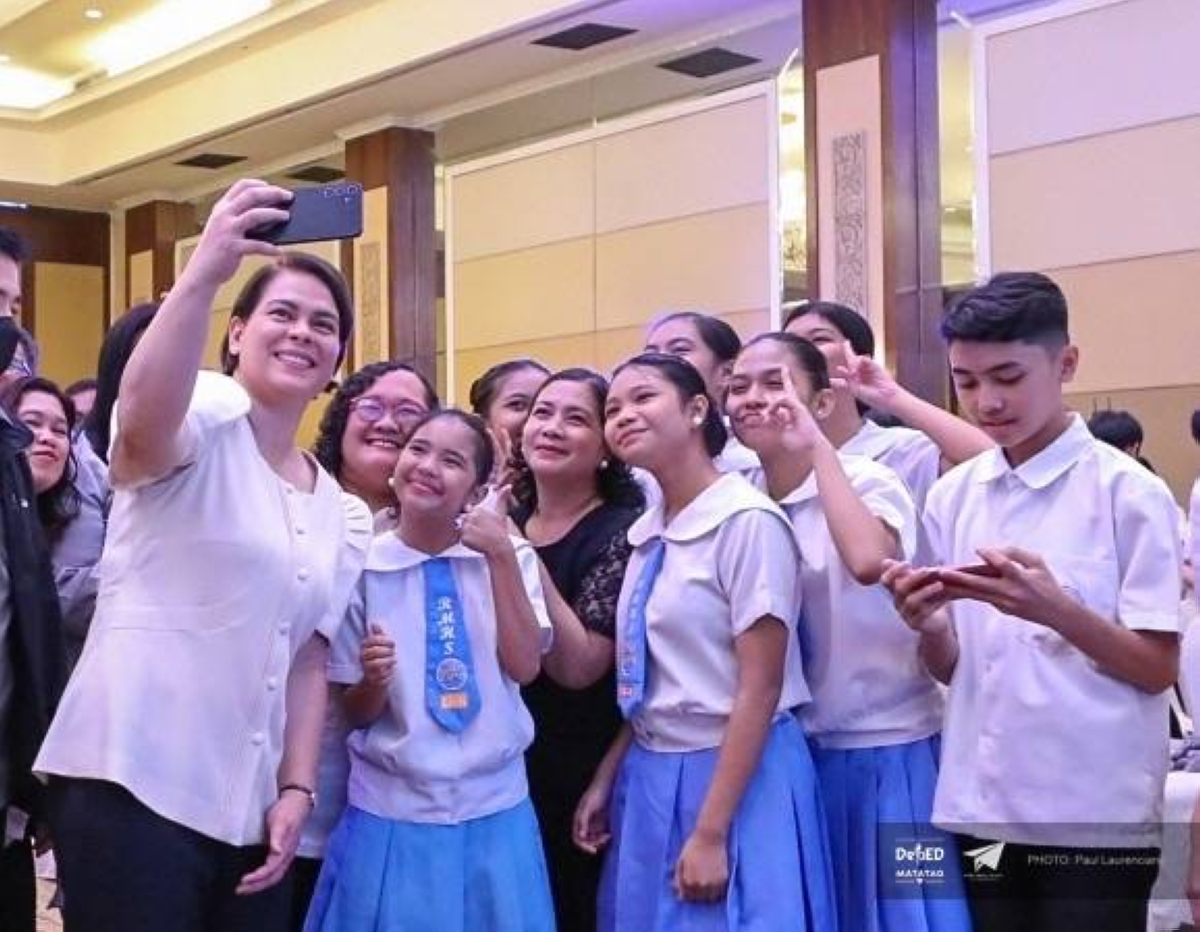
{"x":631,"y":656}
{"x":451,"y":693}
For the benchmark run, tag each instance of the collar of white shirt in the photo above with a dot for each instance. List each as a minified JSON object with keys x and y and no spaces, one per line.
{"x":1043,"y":468}
{"x":727,"y":496}
{"x":388,"y":552}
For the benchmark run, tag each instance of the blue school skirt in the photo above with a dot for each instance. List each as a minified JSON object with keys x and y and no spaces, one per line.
{"x":779,"y":861}
{"x":382,"y":875}
{"x":879,"y":800}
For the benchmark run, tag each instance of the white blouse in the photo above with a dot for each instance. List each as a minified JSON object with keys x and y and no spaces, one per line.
{"x":730,"y":559}
{"x":405,"y":766}
{"x":212,"y":578}
{"x":869,"y":685}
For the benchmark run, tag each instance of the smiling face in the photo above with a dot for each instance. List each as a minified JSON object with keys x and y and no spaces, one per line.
{"x":380,"y":420}
{"x":287,"y":349}
{"x":680,"y":337}
{"x":1013,"y":391}
{"x":564,"y":435}
{"x":43,"y":414}
{"x":646,"y":420}
{"x":437,"y":473}
{"x":756,"y":383}
{"x":514,"y":396}
{"x":822,"y":334}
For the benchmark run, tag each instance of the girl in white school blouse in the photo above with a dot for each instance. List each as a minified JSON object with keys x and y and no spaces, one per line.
{"x":715,"y":818}
{"x":876,"y":712}
{"x":448,"y":621}
{"x":183,"y":755}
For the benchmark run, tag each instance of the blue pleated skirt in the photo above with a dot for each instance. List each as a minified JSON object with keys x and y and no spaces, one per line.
{"x":779,"y":859}
{"x":382,"y":875}
{"x":878,"y":800}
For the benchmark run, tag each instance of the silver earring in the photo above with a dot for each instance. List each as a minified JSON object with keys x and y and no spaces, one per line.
{"x":603,"y":464}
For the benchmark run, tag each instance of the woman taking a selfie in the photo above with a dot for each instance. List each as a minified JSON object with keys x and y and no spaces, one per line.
{"x":177,"y":792}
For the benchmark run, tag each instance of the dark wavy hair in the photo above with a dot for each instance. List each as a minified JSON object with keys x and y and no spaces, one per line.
{"x":115,"y":351}
{"x":251,"y":295}
{"x":328,"y":446}
{"x":58,"y":506}
{"x":614,"y":481}
{"x":689,"y":383}
{"x":486,"y":388}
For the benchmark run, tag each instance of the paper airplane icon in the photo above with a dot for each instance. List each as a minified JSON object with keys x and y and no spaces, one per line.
{"x":987,"y":856}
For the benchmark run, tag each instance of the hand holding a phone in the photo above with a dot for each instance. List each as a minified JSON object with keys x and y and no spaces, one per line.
{"x":226,"y":240}
{"x":1012,"y":580}
{"x":918,"y":594}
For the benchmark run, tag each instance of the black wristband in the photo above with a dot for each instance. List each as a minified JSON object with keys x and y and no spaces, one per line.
{"x":300,"y":788}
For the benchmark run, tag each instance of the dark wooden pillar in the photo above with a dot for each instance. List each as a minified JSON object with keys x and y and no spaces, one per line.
{"x":151,"y":231}
{"x":871,"y":114}
{"x":394,"y":264}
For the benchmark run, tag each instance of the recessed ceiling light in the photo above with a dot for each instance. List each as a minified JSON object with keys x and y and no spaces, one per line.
{"x":93,"y":13}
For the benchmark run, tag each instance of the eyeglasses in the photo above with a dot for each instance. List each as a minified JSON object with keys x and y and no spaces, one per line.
{"x":372,"y":410}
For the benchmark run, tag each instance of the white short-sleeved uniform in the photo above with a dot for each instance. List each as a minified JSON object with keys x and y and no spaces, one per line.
{"x":1194,"y":538}
{"x":1039,"y":745}
{"x":212,"y":578}
{"x":405,"y":766}
{"x":730,"y":560}
{"x":909,"y":453}
{"x":869,"y":685}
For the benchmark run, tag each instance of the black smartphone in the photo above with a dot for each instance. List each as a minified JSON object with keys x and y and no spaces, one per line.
{"x":332,"y":211}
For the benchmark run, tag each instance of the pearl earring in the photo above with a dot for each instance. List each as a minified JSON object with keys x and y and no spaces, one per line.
{"x":603,"y":464}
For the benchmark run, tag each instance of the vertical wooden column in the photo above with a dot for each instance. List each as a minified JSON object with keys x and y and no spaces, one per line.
{"x":874,"y":234}
{"x":151,"y":231}
{"x":394,"y":264}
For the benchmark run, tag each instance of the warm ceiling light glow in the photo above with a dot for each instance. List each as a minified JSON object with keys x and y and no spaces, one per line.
{"x":168,"y":27}
{"x":4,"y":58}
{"x":93,"y":13}
{"x":24,"y":89}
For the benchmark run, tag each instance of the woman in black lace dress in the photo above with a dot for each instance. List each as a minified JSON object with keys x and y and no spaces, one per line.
{"x":577,"y":502}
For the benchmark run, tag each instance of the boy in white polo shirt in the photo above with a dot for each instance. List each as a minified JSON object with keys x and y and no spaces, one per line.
{"x":1053,"y":618}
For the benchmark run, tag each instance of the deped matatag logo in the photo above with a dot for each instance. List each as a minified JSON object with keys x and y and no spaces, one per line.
{"x":920,"y":862}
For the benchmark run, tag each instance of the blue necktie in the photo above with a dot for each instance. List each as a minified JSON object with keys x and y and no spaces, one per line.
{"x":450,"y":689}
{"x":631,"y":654}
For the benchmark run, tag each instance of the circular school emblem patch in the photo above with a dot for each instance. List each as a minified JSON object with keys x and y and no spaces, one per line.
{"x":451,"y":674}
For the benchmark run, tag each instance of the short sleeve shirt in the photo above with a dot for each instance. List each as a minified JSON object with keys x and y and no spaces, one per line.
{"x":1041,"y":746}
{"x":405,"y":766}
{"x":869,"y":685}
{"x":211,"y":580}
{"x":730,"y":560}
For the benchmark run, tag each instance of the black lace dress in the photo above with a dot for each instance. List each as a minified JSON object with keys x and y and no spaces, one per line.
{"x":575,"y":727}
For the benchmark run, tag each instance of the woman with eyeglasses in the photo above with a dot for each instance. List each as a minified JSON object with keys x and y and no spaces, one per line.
{"x":367,"y":422}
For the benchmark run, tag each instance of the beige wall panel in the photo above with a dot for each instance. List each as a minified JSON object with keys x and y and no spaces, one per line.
{"x":1096,"y":71}
{"x":556,"y":352}
{"x":70,"y":319}
{"x":850,"y":101}
{"x":1134,"y":193}
{"x":529,"y":295}
{"x":700,"y":162}
{"x":141,"y":278}
{"x":1165,"y":415}
{"x":714,"y":262}
{"x":1135,"y":322}
{"x":528,"y":202}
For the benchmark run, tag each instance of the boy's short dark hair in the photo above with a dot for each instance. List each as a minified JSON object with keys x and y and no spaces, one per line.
{"x":1196,"y":425}
{"x":1118,"y":429}
{"x":1012,"y":307}
{"x":12,"y":246}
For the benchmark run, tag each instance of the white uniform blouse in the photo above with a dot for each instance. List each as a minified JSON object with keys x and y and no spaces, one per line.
{"x":1040,"y":746}
{"x":730,"y":560}
{"x":211,"y":580}
{"x":869,"y":686}
{"x":405,"y":766}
